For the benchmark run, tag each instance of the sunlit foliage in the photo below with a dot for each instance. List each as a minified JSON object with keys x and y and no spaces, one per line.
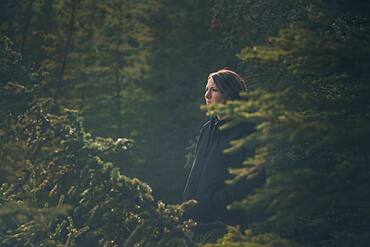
{"x":312,"y":129}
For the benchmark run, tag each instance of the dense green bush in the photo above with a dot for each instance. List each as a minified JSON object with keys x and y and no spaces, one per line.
{"x":68,"y":193}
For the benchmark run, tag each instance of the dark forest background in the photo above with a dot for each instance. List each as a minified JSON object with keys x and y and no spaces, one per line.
{"x":98,"y":97}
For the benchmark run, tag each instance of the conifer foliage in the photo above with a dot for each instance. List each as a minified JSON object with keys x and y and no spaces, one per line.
{"x":68,"y":193}
{"x":312,"y":128}
{"x":133,"y":68}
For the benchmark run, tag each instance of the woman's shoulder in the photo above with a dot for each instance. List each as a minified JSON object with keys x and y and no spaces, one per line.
{"x":239,"y":125}
{"x":243,"y":129}
{"x":248,"y":126}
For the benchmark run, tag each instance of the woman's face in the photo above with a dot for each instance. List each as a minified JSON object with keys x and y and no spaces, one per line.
{"x":212,"y":93}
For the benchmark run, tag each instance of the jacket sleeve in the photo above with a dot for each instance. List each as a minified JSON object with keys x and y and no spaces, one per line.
{"x":219,"y":195}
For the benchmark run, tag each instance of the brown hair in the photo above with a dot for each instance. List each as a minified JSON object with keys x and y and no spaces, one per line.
{"x":230,"y":83}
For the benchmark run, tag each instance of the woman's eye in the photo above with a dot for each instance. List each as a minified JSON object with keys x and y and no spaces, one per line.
{"x":212,"y":89}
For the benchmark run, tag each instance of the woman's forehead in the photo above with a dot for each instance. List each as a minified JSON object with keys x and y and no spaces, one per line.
{"x":210,"y":81}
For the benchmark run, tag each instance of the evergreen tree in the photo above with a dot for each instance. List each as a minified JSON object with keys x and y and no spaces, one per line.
{"x":93,"y":56}
{"x":69,"y":193}
{"x":312,"y":129}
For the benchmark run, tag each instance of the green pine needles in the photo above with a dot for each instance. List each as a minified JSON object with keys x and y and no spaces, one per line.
{"x":312,"y":121}
{"x":67,"y":193}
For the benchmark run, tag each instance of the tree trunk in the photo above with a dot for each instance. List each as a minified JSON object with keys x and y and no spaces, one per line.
{"x":119,"y":77}
{"x":68,"y":44}
{"x":118,"y":88}
{"x":26,"y":27}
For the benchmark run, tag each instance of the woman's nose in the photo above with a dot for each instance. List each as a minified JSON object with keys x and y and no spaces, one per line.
{"x":208,"y":94}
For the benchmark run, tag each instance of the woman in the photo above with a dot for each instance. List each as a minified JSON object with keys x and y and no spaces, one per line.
{"x":206,"y":180}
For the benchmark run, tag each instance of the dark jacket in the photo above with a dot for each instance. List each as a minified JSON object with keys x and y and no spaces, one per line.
{"x":206,"y":180}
